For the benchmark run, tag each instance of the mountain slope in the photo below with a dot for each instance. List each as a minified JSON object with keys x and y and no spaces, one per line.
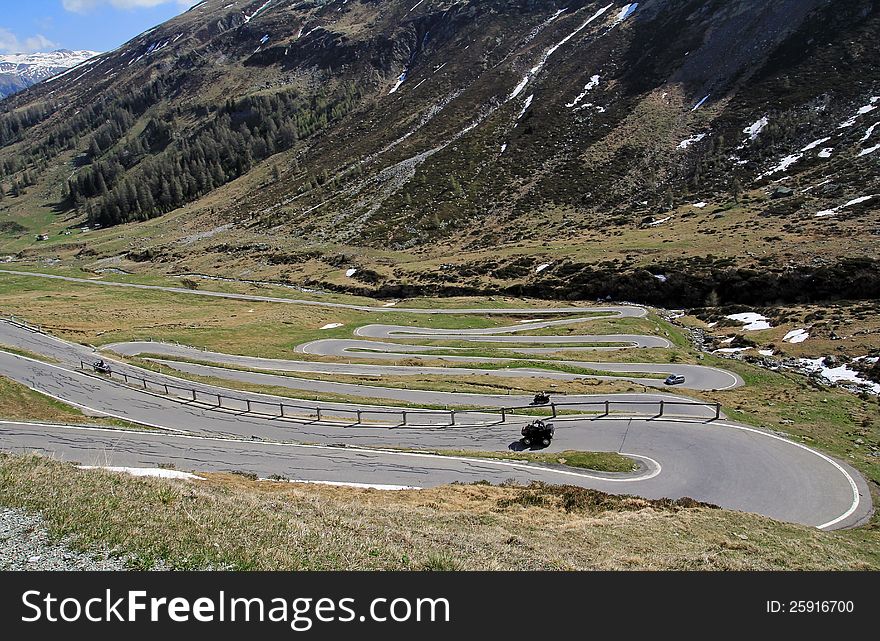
{"x":19,"y":71}
{"x":447,"y":130}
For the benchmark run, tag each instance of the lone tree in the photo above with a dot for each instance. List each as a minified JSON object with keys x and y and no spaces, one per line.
{"x":736,"y":189}
{"x":713,"y":299}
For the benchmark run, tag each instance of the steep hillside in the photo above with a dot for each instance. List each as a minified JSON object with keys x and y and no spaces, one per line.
{"x":575,"y":149}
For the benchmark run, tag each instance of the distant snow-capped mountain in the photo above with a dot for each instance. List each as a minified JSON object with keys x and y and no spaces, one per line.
{"x":21,"y":70}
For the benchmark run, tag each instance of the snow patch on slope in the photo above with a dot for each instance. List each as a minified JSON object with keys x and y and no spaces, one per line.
{"x":626,"y":12}
{"x":784,"y":164}
{"x":841,"y":374}
{"x":752,"y":321}
{"x":534,"y":71}
{"x":754,"y":130}
{"x":796,"y":336}
{"x":400,"y":80}
{"x":816,"y":143}
{"x":684,"y":144}
{"x":146,"y":471}
{"x":702,"y":102}
{"x":526,"y":105}
{"x":248,"y":18}
{"x":594,"y":82}
{"x":855,"y":201}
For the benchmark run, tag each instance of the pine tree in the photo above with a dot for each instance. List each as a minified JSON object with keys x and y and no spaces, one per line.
{"x":736,"y":190}
{"x":456,"y":187}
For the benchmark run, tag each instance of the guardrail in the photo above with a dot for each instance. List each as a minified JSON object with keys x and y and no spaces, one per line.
{"x":399,"y":417}
{"x":20,"y":322}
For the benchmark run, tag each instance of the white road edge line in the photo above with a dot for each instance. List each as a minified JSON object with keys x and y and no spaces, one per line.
{"x":852,"y":483}
{"x":365,"y":486}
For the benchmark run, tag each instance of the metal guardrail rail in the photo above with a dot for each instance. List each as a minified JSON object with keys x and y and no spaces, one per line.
{"x":279,"y":410}
{"x":20,"y":322}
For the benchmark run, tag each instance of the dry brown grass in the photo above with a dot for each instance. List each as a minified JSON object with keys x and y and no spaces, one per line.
{"x":99,"y":315}
{"x":228,"y":521}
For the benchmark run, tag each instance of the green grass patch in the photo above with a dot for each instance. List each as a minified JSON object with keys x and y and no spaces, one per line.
{"x":20,"y":403}
{"x":595,"y":461}
{"x":18,"y":351}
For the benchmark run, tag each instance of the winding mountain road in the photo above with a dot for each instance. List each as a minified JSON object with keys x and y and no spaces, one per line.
{"x":719,"y":462}
{"x":370,"y":346}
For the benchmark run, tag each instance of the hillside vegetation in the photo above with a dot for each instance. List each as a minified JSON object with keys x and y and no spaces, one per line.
{"x":455,"y":147}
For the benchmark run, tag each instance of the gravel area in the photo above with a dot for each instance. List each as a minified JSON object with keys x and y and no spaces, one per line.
{"x":25,"y":545}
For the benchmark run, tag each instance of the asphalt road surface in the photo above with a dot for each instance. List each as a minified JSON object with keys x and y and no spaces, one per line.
{"x":730,"y":465}
{"x":369,"y":347}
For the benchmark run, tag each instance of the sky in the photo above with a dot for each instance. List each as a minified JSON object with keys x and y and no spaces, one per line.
{"x":27,"y":26}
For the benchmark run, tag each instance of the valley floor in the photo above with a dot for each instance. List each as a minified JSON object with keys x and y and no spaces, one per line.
{"x":239,"y":521}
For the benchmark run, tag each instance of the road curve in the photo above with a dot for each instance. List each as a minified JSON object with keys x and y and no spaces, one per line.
{"x":64,"y":378}
{"x":105,"y":447}
{"x":697,"y":377}
{"x":748,"y":471}
{"x":370,"y":346}
{"x":638,"y":403}
{"x":730,"y":465}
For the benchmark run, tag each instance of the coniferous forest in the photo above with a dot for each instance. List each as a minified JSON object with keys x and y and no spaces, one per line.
{"x":126,"y":176}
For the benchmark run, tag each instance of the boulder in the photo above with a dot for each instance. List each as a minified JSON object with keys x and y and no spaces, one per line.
{"x":781,"y":192}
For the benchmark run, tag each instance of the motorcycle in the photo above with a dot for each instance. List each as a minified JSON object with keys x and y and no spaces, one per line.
{"x":541,"y":398}
{"x":538,"y":432}
{"x":102,"y":368}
